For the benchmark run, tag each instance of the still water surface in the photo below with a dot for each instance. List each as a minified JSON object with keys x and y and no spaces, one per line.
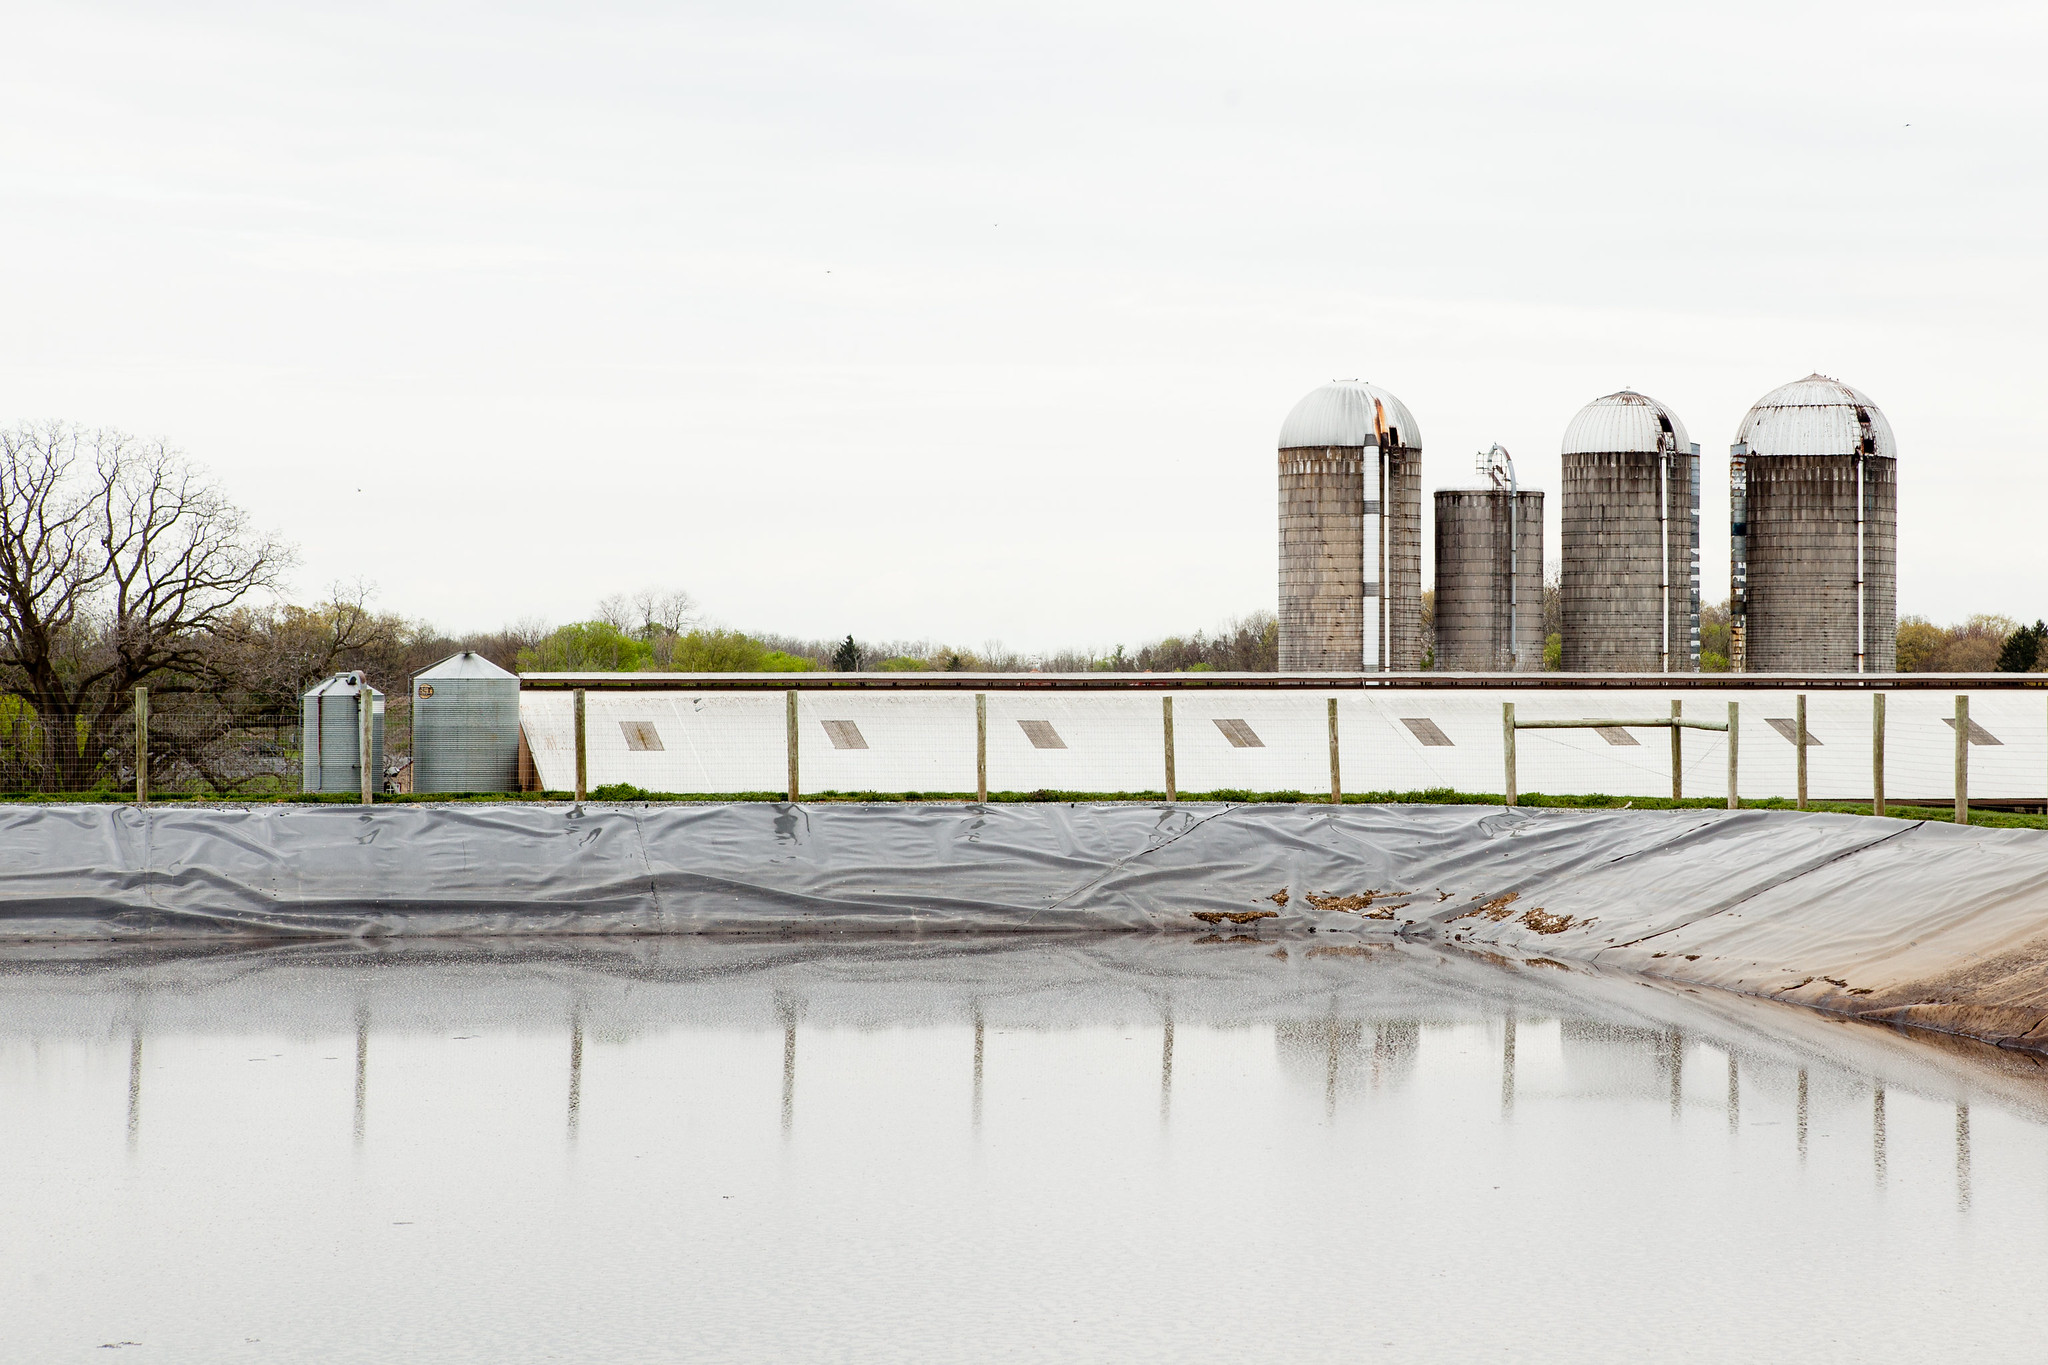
{"x":1122,"y":1149}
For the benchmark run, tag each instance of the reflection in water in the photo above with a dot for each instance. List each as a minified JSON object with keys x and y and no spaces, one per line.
{"x":1507,"y":1066}
{"x":362,"y":1072}
{"x":1355,"y":1112}
{"x":1802,"y":1115}
{"x":1962,"y":1156}
{"x":575,"y":1072}
{"x":786,"y":1010}
{"x":977,"y":1071}
{"x":1395,"y":1044}
{"x":134,"y":1089}
{"x":1166,"y":1069}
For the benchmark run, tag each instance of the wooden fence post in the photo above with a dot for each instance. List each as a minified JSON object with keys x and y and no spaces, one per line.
{"x":1166,"y":710}
{"x":582,"y":751}
{"x":1336,"y":781}
{"x":141,"y":746}
{"x":980,"y":747}
{"x":1677,"y":753}
{"x":1962,"y":758}
{"x":1734,"y":736}
{"x":1799,"y":742}
{"x":1507,"y":738}
{"x":1877,"y":753}
{"x":366,"y":735}
{"x":789,"y":735}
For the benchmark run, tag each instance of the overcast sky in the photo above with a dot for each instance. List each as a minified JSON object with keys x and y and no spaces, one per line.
{"x":978,"y":321}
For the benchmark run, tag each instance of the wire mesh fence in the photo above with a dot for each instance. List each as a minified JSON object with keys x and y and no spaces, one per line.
{"x":706,"y":740}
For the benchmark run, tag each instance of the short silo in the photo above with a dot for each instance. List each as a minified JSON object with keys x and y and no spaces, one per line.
{"x":1350,"y":532}
{"x":465,"y":726}
{"x":1814,"y":498}
{"x":1489,"y":580}
{"x":331,"y":735}
{"x":1630,"y":579}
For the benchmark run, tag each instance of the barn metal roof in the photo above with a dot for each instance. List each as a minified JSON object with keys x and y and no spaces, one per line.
{"x":1625,"y":423}
{"x":1816,"y":416}
{"x":1350,"y":412}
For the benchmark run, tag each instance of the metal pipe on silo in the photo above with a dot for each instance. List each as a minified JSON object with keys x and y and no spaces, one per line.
{"x":1817,"y":573}
{"x":1624,"y":487}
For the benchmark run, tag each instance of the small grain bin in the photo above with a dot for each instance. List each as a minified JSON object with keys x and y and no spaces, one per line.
{"x":465,"y":726}
{"x":1814,"y":503}
{"x":1350,"y":532}
{"x":331,"y":734}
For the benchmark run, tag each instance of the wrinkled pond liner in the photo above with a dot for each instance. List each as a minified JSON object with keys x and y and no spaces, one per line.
{"x":1905,"y":922}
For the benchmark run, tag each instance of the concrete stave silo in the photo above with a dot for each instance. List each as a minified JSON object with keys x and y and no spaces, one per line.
{"x":1630,"y":579}
{"x":1350,"y":575}
{"x":465,"y":726}
{"x":1813,"y":492}
{"x":1477,"y":580}
{"x":331,"y":738}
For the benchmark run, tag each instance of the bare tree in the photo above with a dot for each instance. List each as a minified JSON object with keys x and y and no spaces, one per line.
{"x":117,"y":559}
{"x":665,"y":611}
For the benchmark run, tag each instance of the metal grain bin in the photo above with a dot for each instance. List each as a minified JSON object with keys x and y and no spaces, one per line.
{"x":465,"y":727}
{"x":331,"y":735}
{"x":1814,"y":494}
{"x":1350,"y":576}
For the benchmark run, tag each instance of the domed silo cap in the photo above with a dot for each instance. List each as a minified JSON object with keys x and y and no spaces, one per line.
{"x":1625,"y":423}
{"x":1816,"y":416}
{"x":1350,"y":412}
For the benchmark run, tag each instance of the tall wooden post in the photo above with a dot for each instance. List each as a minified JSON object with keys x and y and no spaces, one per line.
{"x":1336,"y":778}
{"x":366,"y":736}
{"x":1507,"y":739}
{"x":582,"y":751}
{"x":1877,"y":753}
{"x":789,"y":737}
{"x":1166,"y":710}
{"x":1799,"y":742}
{"x":980,"y":747}
{"x":1734,"y":738}
{"x":1677,"y":753}
{"x":141,"y":746}
{"x":1962,"y":758}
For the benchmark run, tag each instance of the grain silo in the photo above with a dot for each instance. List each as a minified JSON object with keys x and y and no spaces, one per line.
{"x":1489,"y":578}
{"x":1814,"y":497}
{"x":465,"y":726}
{"x":331,"y":735}
{"x":1631,"y":570}
{"x":1350,"y":575}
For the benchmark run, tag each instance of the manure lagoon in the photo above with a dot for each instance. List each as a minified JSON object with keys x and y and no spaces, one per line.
{"x":1129,"y":1148}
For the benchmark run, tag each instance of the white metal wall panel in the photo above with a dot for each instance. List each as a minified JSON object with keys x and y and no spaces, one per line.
{"x":918,"y":743}
{"x":1115,"y":741}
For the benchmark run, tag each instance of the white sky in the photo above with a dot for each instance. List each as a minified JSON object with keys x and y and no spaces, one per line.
{"x":978,"y":321}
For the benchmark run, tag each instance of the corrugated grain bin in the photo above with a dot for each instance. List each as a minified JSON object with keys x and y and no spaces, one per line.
{"x":1350,"y":577}
{"x":1474,"y":574}
{"x":1814,"y":494}
{"x":465,"y":727}
{"x":1630,"y":577}
{"x":332,"y":737}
